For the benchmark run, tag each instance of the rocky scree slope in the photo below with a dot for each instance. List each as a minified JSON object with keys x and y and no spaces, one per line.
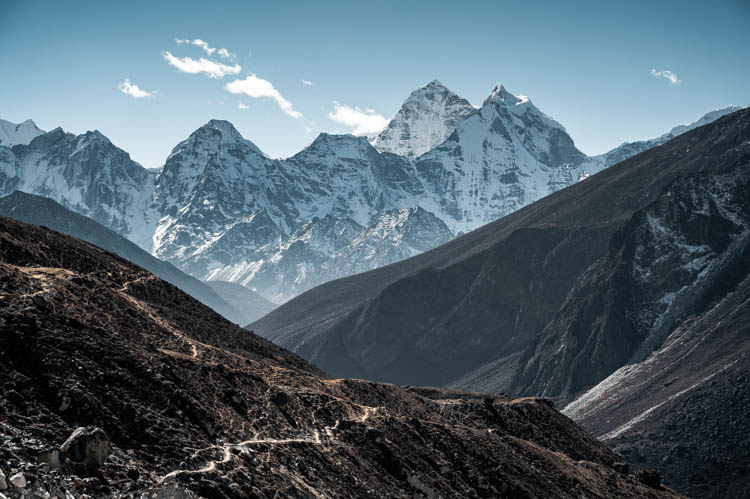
{"x":182,"y":403}
{"x":684,"y":409}
{"x":43,"y":211}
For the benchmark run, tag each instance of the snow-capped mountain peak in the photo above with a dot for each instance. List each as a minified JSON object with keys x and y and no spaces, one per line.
{"x":426,"y":118}
{"x":500,"y":94}
{"x":22,"y":133}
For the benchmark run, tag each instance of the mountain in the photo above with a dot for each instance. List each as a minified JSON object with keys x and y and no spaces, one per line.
{"x":117,"y":383}
{"x":628,"y":149}
{"x":250,"y":304}
{"x":329,"y":248}
{"x":684,"y":408}
{"x":499,"y":159}
{"x":39,"y":210}
{"x":87,"y":174}
{"x":12,"y":133}
{"x":426,"y":118}
{"x":220,"y":209}
{"x":552,"y":298}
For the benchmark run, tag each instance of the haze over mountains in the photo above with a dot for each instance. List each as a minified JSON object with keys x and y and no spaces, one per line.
{"x":220,"y":209}
{"x":623,"y":294}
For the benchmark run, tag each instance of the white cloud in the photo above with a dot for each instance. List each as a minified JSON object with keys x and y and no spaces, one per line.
{"x":134,"y":90}
{"x":673,"y":80}
{"x":240,"y":105}
{"x":204,"y":45}
{"x":212,"y":69}
{"x":224,"y":53}
{"x":361,"y":121}
{"x":307,"y":82}
{"x":258,"y":88}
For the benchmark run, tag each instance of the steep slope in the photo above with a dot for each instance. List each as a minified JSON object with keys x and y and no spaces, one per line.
{"x":425,"y":119}
{"x":87,"y":174}
{"x":501,"y":158}
{"x":250,"y":304}
{"x":39,"y":210}
{"x":172,"y":400}
{"x":628,"y":149}
{"x":496,"y":296}
{"x":329,"y":248}
{"x":685,"y":407}
{"x":22,"y":133}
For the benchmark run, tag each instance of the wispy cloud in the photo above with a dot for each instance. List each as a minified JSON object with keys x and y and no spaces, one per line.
{"x":361,"y":121}
{"x":212,"y":69}
{"x":258,"y":88}
{"x":673,"y":80}
{"x":134,"y":90}
{"x":307,"y":82}
{"x":241,"y":105}
{"x":222,"y":52}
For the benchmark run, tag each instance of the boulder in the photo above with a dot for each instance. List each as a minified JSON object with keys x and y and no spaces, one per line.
{"x":3,"y":483}
{"x":18,"y":480}
{"x":89,"y":445}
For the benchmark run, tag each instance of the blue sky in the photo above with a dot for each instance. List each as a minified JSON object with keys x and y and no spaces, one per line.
{"x":587,"y":64}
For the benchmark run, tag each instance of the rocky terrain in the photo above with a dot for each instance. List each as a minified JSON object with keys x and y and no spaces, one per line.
{"x":571,"y":291}
{"x":684,"y":408}
{"x":116,"y":383}
{"x":43,"y":211}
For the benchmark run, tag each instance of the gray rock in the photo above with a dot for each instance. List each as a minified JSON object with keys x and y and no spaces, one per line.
{"x":88,"y":445}
{"x":18,"y":480}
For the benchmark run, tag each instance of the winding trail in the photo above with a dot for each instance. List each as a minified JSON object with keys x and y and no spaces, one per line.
{"x":227,"y":452}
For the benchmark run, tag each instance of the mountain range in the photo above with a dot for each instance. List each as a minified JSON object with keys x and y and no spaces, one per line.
{"x":621,"y":297}
{"x":220,"y":209}
{"x":117,"y":384}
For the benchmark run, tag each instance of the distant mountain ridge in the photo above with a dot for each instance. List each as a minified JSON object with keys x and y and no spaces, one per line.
{"x":221,"y":209}
{"x":39,"y":210}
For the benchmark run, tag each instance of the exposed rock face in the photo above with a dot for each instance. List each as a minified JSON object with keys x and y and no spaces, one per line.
{"x":425,"y":120}
{"x":684,"y":408}
{"x":195,"y":406}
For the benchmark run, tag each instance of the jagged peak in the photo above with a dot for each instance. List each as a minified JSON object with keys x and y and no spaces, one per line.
{"x":222,"y":132}
{"x":500,"y":95}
